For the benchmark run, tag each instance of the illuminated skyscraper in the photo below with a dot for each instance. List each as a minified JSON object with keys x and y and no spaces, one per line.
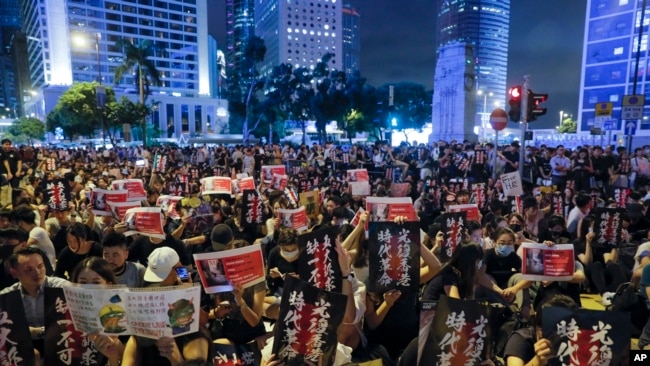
{"x":472,"y":56}
{"x":74,"y":41}
{"x":300,"y":32}
{"x":240,"y":25}
{"x":609,"y":61}
{"x":351,"y":39}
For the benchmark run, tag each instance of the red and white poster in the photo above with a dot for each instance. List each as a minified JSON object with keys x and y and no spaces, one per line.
{"x":296,"y":218}
{"x":388,"y":208}
{"x":541,"y":262}
{"x":220,"y":271}
{"x":147,"y":221}
{"x":239,"y":185}
{"x":357,"y":217}
{"x":400,"y":189}
{"x":279,"y":181}
{"x":359,"y":188}
{"x":473,"y":213}
{"x":621,"y":195}
{"x":118,"y":209}
{"x":101,"y":198}
{"x":216,"y":185}
{"x":357,"y":175}
{"x":269,"y":170}
{"x":135,"y":187}
{"x":167,"y":204}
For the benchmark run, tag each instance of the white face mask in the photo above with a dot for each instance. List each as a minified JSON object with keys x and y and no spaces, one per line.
{"x":289,"y":255}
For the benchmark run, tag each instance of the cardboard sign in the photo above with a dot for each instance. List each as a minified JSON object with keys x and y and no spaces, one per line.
{"x":541,"y":262}
{"x":216,"y":185}
{"x":147,"y":221}
{"x":394,"y":259}
{"x":318,"y":263}
{"x":135,"y":187}
{"x":512,"y":184}
{"x":587,"y":337}
{"x":307,"y":324}
{"x":219,"y":271}
{"x":309,"y":200}
{"x":296,"y":218}
{"x":101,"y":199}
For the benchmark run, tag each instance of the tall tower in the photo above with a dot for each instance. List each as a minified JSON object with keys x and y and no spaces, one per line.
{"x":240,"y":25}
{"x":10,"y":39}
{"x":300,"y":32}
{"x":351,"y":39}
{"x":475,"y":31}
{"x":609,"y":62}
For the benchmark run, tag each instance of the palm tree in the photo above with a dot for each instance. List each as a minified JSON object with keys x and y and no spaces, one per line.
{"x":138,"y":57}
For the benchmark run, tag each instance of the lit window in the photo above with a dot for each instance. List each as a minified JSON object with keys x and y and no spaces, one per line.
{"x":618,"y":50}
{"x":326,"y":26}
{"x":289,"y":30}
{"x":622,"y":2}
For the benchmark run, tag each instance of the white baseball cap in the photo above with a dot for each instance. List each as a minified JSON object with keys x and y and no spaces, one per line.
{"x":161,"y":262}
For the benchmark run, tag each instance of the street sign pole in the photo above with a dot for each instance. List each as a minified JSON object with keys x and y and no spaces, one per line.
{"x":525,"y":88}
{"x":494,"y":155}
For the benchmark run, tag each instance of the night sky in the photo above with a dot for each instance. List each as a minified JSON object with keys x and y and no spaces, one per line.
{"x":398,"y":44}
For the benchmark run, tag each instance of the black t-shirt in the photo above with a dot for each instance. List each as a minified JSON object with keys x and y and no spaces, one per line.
{"x":521,"y":344}
{"x":512,"y":157}
{"x":276,"y":260}
{"x":436,"y":287}
{"x":501,"y":268}
{"x":67,"y":259}
{"x":12,"y":157}
{"x":142,"y":247}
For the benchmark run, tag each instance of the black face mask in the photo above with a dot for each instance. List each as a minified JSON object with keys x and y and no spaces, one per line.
{"x":515,"y":227}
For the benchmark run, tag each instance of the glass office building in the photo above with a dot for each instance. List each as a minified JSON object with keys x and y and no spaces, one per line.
{"x":609,"y":62}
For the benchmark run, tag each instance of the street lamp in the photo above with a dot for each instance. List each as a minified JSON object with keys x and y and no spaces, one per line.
{"x":82,"y":41}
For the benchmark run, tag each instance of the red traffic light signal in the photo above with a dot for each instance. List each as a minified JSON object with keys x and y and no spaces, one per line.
{"x":534,"y":105}
{"x":515,"y":103}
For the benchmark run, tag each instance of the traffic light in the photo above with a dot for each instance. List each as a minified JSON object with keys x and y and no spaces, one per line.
{"x":515,"y":103}
{"x":534,"y":108}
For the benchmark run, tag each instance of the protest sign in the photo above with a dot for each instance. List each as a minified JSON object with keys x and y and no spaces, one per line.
{"x":241,"y":184}
{"x":621,"y":195}
{"x":541,"y":262}
{"x":15,"y":348}
{"x":252,"y":213}
{"x":394,"y":256}
{"x":167,"y":204}
{"x":586,"y":337}
{"x":118,"y":209}
{"x":279,"y":181}
{"x":56,"y":194}
{"x":357,"y":175}
{"x":296,"y":218}
{"x":359,"y":188}
{"x":147,"y":221}
{"x":269,"y":170}
{"x":608,"y":226}
{"x":357,"y":217}
{"x":470,"y":208}
{"x":307,"y":324}
{"x":452,"y":227}
{"x":220,"y":271}
{"x":459,"y":335}
{"x":478,"y":195}
{"x":388,"y":208}
{"x":309,"y":200}
{"x":216,"y":185}
{"x":399,"y":189}
{"x":318,"y":263}
{"x":151,"y":312}
{"x":135,"y":187}
{"x":101,"y":198}
{"x":512,"y":184}
{"x":236,"y":354}
{"x":160,"y":163}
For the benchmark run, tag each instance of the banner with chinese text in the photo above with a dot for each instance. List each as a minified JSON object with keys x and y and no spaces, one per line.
{"x":608,"y":226}
{"x":15,"y":348}
{"x":453,"y":228}
{"x":318,"y":263}
{"x":252,"y":213}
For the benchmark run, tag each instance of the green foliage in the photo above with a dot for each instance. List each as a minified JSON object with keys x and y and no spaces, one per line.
{"x":568,"y":126}
{"x":26,"y":129}
{"x":411,"y":105}
{"x":76,"y":112}
{"x":138,"y":57}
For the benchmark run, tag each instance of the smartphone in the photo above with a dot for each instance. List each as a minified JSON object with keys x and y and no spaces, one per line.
{"x":183,"y":274}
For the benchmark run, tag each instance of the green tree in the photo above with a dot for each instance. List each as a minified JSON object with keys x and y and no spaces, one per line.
{"x":362,"y":106}
{"x":125,"y":112}
{"x":137,"y":57}
{"x":76,"y":112}
{"x":411,"y":105}
{"x":568,"y":126}
{"x":243,"y":86}
{"x":27,"y":129}
{"x":330,"y":102}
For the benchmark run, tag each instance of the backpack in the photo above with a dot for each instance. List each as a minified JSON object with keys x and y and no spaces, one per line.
{"x":628,"y":299}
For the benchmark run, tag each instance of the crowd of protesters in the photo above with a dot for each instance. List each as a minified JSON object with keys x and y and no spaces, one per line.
{"x":71,"y":244}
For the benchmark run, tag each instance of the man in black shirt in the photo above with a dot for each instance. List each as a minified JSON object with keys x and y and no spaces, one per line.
{"x":511,"y":158}
{"x":12,"y":165}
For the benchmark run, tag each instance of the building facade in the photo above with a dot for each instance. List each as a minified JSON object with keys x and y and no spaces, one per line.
{"x":71,"y":41}
{"x":610,"y":68}
{"x":299,"y":32}
{"x":240,"y":25}
{"x":477,"y":31}
{"x":351,"y":39}
{"x":10,"y":45}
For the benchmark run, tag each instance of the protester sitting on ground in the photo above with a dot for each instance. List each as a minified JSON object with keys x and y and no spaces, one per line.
{"x":116,"y":252}
{"x":25,"y":218}
{"x":79,"y":247}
